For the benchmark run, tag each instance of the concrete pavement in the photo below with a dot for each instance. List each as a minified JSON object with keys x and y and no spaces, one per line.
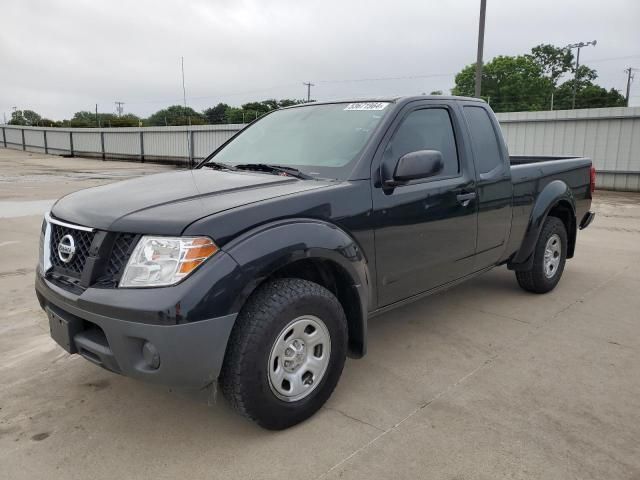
{"x":483,"y":381}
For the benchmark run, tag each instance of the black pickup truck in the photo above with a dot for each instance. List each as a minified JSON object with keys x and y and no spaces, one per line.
{"x":259,"y":269}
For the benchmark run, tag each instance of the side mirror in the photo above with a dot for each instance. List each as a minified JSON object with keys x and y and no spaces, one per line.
{"x":416,"y":165}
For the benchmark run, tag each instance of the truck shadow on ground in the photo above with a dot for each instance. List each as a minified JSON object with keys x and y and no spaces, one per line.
{"x":414,"y":352}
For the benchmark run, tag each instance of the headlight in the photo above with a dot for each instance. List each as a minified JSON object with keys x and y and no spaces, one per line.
{"x":162,"y":261}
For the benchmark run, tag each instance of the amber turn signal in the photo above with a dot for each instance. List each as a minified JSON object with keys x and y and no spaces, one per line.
{"x":197,"y":252}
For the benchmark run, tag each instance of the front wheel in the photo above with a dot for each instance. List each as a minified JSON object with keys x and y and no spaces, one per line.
{"x":286,"y":353}
{"x":549,"y":257}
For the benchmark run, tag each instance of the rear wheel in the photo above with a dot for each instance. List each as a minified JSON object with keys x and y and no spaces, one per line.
{"x":549,"y":258}
{"x":286,"y":353}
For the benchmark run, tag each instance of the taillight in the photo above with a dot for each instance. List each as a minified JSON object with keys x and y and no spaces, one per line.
{"x":592,"y":179}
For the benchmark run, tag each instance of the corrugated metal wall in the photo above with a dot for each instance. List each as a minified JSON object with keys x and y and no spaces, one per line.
{"x":610,"y":136}
{"x":175,"y":144}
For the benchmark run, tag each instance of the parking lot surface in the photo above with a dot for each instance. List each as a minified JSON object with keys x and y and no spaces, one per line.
{"x":483,"y":381}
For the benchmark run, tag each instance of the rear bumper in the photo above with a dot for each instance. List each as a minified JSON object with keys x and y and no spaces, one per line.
{"x":184,"y":356}
{"x":587,"y":219}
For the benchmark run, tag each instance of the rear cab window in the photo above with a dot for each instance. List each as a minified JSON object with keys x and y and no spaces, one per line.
{"x":484,"y":141}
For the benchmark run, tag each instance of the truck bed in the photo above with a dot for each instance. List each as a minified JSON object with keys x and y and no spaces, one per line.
{"x":530,"y":174}
{"x":525,"y":159}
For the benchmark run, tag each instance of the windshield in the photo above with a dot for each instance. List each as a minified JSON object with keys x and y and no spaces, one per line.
{"x":319,"y":140}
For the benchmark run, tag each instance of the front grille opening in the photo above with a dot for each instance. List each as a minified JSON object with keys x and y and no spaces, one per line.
{"x":123,"y":246}
{"x":93,"y":345}
{"x":82,"y":241}
{"x":94,"y":331}
{"x":120,"y":254}
{"x":104,"y":272}
{"x":92,"y":357}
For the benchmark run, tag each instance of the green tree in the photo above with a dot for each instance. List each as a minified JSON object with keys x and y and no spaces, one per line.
{"x":176,"y":115}
{"x":216,"y":115}
{"x":234,"y":115}
{"x":270,"y":104}
{"x":436,"y":92}
{"x":25,"y":117}
{"x":126,"y":120}
{"x":510,"y":84}
{"x":83,"y":119}
{"x":526,"y":82}
{"x":587,"y":96}
{"x":86,"y":119}
{"x":260,"y":107}
{"x":17,"y":118}
{"x":31,"y":117}
{"x":287,"y":102}
{"x":553,"y":61}
{"x":47,"y":122}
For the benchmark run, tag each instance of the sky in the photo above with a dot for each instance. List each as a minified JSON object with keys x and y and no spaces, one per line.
{"x":61,"y":56}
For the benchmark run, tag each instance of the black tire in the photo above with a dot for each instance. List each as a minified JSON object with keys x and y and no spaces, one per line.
{"x":536,"y":280}
{"x":244,"y":378}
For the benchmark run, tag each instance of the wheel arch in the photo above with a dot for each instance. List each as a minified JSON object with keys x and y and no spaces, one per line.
{"x":312,"y":250}
{"x":556,"y":200}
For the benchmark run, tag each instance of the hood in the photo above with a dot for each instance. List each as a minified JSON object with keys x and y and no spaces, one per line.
{"x":165,"y":203}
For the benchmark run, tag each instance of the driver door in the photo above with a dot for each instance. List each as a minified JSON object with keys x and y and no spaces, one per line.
{"x":425,"y":231}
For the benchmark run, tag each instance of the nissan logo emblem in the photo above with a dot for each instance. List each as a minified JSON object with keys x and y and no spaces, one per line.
{"x":66,"y":248}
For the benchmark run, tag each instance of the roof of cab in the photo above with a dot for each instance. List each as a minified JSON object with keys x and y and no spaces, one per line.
{"x":396,"y":100}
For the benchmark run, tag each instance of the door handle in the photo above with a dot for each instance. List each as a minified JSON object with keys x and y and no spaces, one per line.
{"x":465,"y":198}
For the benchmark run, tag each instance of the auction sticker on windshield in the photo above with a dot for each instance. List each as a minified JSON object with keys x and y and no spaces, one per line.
{"x":367,"y":106}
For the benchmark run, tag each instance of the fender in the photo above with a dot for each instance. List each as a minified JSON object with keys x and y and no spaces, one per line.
{"x":262,"y":251}
{"x":551,"y":195}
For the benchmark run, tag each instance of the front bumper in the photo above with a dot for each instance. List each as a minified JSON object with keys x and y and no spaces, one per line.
{"x":184,"y":356}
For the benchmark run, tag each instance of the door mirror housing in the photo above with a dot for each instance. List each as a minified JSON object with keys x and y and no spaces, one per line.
{"x":416,"y":165}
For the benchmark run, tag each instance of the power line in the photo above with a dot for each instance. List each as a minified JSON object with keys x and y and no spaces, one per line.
{"x":377,"y":79}
{"x":626,"y":57}
{"x":323,"y":82}
{"x":206,"y":97}
{"x":328,"y":81}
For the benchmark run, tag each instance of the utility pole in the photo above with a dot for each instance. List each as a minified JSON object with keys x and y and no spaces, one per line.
{"x":184,"y":91}
{"x":630,"y":76}
{"x":97,"y":120}
{"x":119,"y":108}
{"x":575,"y":76}
{"x":309,"y":85}
{"x":478,"y":87}
{"x":184,"y":101}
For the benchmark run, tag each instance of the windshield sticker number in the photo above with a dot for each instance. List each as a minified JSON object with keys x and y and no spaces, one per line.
{"x":366,"y":106}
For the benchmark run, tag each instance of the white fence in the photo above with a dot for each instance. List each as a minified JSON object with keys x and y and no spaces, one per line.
{"x":610,"y":136}
{"x":171,"y":144}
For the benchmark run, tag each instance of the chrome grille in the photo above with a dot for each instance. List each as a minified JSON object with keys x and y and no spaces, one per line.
{"x":82,"y":240}
{"x":110,"y":255}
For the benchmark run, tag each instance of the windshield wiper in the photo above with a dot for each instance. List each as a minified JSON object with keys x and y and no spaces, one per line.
{"x":218,"y":166}
{"x":275,"y":169}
